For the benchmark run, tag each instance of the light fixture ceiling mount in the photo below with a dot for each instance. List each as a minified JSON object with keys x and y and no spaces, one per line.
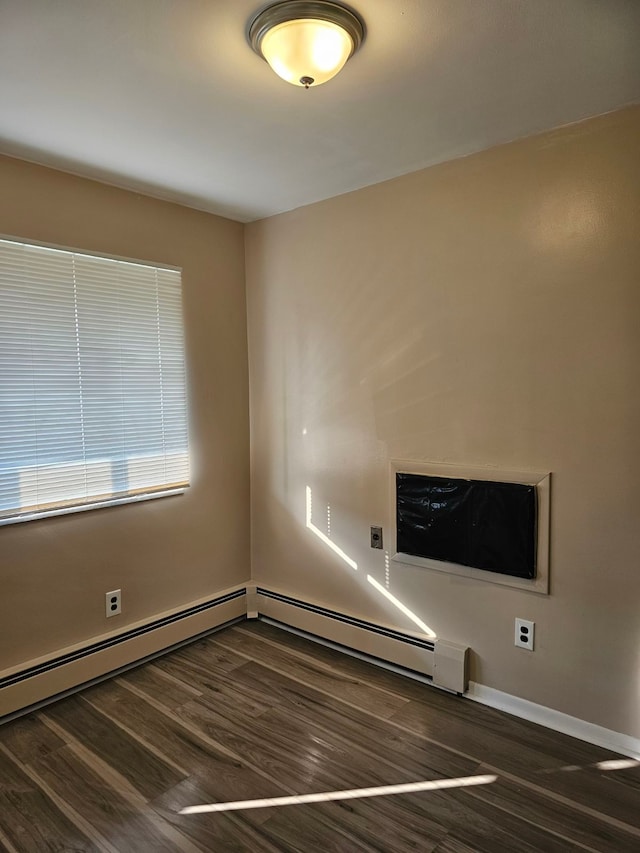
{"x":306,"y":42}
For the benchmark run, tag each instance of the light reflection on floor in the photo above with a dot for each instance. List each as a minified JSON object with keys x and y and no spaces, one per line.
{"x":353,"y":794}
{"x":387,"y":790}
{"x":609,"y":765}
{"x":617,"y":764}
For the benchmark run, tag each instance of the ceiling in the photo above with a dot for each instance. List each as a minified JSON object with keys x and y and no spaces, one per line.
{"x":166,"y":97}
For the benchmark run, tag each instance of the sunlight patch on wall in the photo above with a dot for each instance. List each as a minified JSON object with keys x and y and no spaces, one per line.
{"x":323,"y":537}
{"x":567,"y":218}
{"x":402,"y":607}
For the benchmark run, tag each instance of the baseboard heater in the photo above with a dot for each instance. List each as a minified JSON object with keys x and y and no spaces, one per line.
{"x":445,"y":663}
{"x":30,"y":685}
{"x":37,"y":681}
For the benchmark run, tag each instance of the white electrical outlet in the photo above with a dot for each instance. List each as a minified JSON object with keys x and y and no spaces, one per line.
{"x":113,"y":602}
{"x":525,"y":631}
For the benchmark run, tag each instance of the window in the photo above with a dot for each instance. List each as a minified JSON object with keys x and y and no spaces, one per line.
{"x":92,"y":381}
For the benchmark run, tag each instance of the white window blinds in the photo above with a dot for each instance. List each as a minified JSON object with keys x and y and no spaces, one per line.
{"x":92,"y":380}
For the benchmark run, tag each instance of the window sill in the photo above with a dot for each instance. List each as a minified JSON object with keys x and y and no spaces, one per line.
{"x":66,"y":510}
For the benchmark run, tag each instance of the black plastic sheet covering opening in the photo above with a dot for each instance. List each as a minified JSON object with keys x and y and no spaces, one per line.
{"x":477,"y":523}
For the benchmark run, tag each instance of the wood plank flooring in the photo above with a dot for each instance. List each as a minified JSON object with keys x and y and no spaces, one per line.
{"x":256,"y":712}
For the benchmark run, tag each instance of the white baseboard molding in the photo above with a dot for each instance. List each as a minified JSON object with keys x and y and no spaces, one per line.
{"x":37,"y":681}
{"x":556,"y":720}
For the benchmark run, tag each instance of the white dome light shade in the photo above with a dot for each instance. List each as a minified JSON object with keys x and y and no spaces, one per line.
{"x":307,"y":49}
{"x":306,"y":42}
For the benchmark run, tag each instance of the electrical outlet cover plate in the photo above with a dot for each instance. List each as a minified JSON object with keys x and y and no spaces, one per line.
{"x":113,"y":602}
{"x":525,"y":631}
{"x":376,"y":537}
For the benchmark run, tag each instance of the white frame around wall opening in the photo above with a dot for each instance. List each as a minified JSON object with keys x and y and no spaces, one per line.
{"x":542,"y":482}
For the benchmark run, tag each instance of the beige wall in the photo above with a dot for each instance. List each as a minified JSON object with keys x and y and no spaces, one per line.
{"x":482,"y":312}
{"x":161,"y":553}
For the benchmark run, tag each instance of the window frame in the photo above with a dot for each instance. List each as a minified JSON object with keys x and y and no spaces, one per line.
{"x":136,"y":496}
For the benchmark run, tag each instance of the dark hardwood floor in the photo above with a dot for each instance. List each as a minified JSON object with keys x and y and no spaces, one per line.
{"x":255,"y":712}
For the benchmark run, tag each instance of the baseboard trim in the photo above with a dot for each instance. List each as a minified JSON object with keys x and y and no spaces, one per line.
{"x":556,"y":720}
{"x":37,"y":681}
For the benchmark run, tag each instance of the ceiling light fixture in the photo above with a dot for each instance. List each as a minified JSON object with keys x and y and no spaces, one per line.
{"x":306,"y":43}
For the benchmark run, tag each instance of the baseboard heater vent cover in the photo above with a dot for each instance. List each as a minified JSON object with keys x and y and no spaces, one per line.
{"x":443,"y":662}
{"x":38,"y":682}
